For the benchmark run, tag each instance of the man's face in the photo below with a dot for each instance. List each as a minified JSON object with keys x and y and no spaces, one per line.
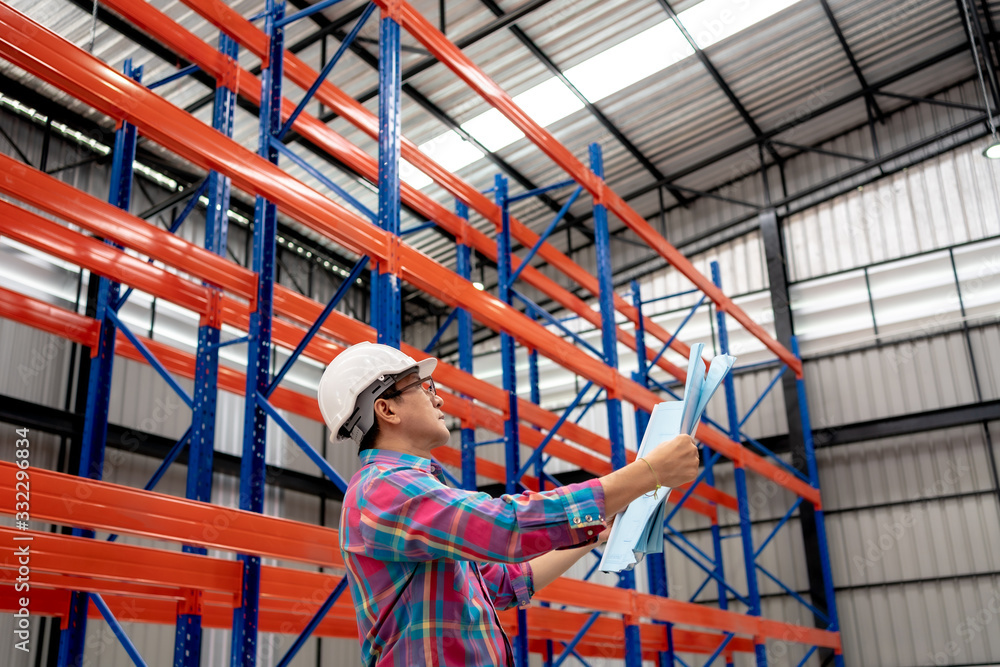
{"x":419,"y":408}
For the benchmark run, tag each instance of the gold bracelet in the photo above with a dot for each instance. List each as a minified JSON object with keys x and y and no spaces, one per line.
{"x":658,"y":485}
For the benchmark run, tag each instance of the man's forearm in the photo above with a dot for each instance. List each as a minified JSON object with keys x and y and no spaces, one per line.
{"x":548,"y":567}
{"x":672,"y":463}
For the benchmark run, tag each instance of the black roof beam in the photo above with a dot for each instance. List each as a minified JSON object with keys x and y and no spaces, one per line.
{"x":928,"y":100}
{"x":823,"y":151}
{"x":973,"y":34}
{"x":990,"y":31}
{"x":869,"y":99}
{"x":851,"y":97}
{"x":791,"y":199}
{"x":717,"y":77}
{"x":536,"y":51}
{"x":788,"y":201}
{"x":470,"y":39}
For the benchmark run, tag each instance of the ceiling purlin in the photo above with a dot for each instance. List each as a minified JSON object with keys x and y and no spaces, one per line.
{"x":717,"y":77}
{"x":487,"y":30}
{"x":451,"y":123}
{"x":869,"y":99}
{"x":992,"y":47}
{"x":872,"y":109}
{"x":798,"y":119}
{"x":875,"y":88}
{"x":597,"y":113}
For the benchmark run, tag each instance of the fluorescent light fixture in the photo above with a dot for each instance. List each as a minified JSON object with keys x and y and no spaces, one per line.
{"x":608,"y":72}
{"x":993,"y":150}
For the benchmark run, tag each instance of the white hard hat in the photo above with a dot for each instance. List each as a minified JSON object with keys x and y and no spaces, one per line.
{"x":354,"y":379}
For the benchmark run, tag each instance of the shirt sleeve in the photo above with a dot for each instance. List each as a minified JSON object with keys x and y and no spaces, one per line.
{"x":508,"y":584}
{"x":405,"y":514}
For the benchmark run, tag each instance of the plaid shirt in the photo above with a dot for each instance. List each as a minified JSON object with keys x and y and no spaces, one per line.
{"x":429,"y":566}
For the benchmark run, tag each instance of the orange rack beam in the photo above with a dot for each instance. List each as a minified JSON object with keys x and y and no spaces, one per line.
{"x":454,"y":59}
{"x":111,"y":567}
{"x":602,"y":640}
{"x":83,"y":330}
{"x":46,"y":55}
{"x":248,"y":35}
{"x":60,"y":199}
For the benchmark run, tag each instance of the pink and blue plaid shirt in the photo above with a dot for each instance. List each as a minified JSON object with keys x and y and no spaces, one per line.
{"x":429,"y":566}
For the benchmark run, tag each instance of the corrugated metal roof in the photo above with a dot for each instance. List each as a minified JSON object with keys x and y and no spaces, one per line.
{"x":780,"y":70}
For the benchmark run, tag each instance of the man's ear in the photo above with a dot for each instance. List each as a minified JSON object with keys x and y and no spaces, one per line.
{"x":385,"y":411}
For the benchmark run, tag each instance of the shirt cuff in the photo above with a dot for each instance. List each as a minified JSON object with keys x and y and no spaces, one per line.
{"x":523,"y":584}
{"x":584,"y":505}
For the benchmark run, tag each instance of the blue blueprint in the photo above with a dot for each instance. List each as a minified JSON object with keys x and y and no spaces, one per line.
{"x":639,"y":529}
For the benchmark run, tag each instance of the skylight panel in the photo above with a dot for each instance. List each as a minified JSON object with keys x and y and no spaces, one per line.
{"x":451,"y":151}
{"x":413,"y":176}
{"x":493,"y":130}
{"x":610,"y":71}
{"x":712,"y":21}
{"x":549,"y":101}
{"x":631,"y":61}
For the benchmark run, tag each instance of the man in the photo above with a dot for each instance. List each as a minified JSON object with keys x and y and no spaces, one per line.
{"x":429,"y":566}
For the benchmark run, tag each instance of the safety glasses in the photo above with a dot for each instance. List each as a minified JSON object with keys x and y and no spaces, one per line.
{"x":427,"y":385}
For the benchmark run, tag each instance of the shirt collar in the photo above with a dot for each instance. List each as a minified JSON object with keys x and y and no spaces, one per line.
{"x":385,"y":456}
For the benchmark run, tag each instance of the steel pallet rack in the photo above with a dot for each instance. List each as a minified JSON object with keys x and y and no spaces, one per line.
{"x":248,"y":299}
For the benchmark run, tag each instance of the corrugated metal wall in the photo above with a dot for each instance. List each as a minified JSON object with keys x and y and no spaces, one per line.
{"x":924,"y":243}
{"x":920,"y":507}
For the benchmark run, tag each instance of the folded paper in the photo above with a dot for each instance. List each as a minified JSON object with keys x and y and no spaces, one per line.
{"x":639,"y":529}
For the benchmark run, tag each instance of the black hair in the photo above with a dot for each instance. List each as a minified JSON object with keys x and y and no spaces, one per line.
{"x":368,"y":441}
